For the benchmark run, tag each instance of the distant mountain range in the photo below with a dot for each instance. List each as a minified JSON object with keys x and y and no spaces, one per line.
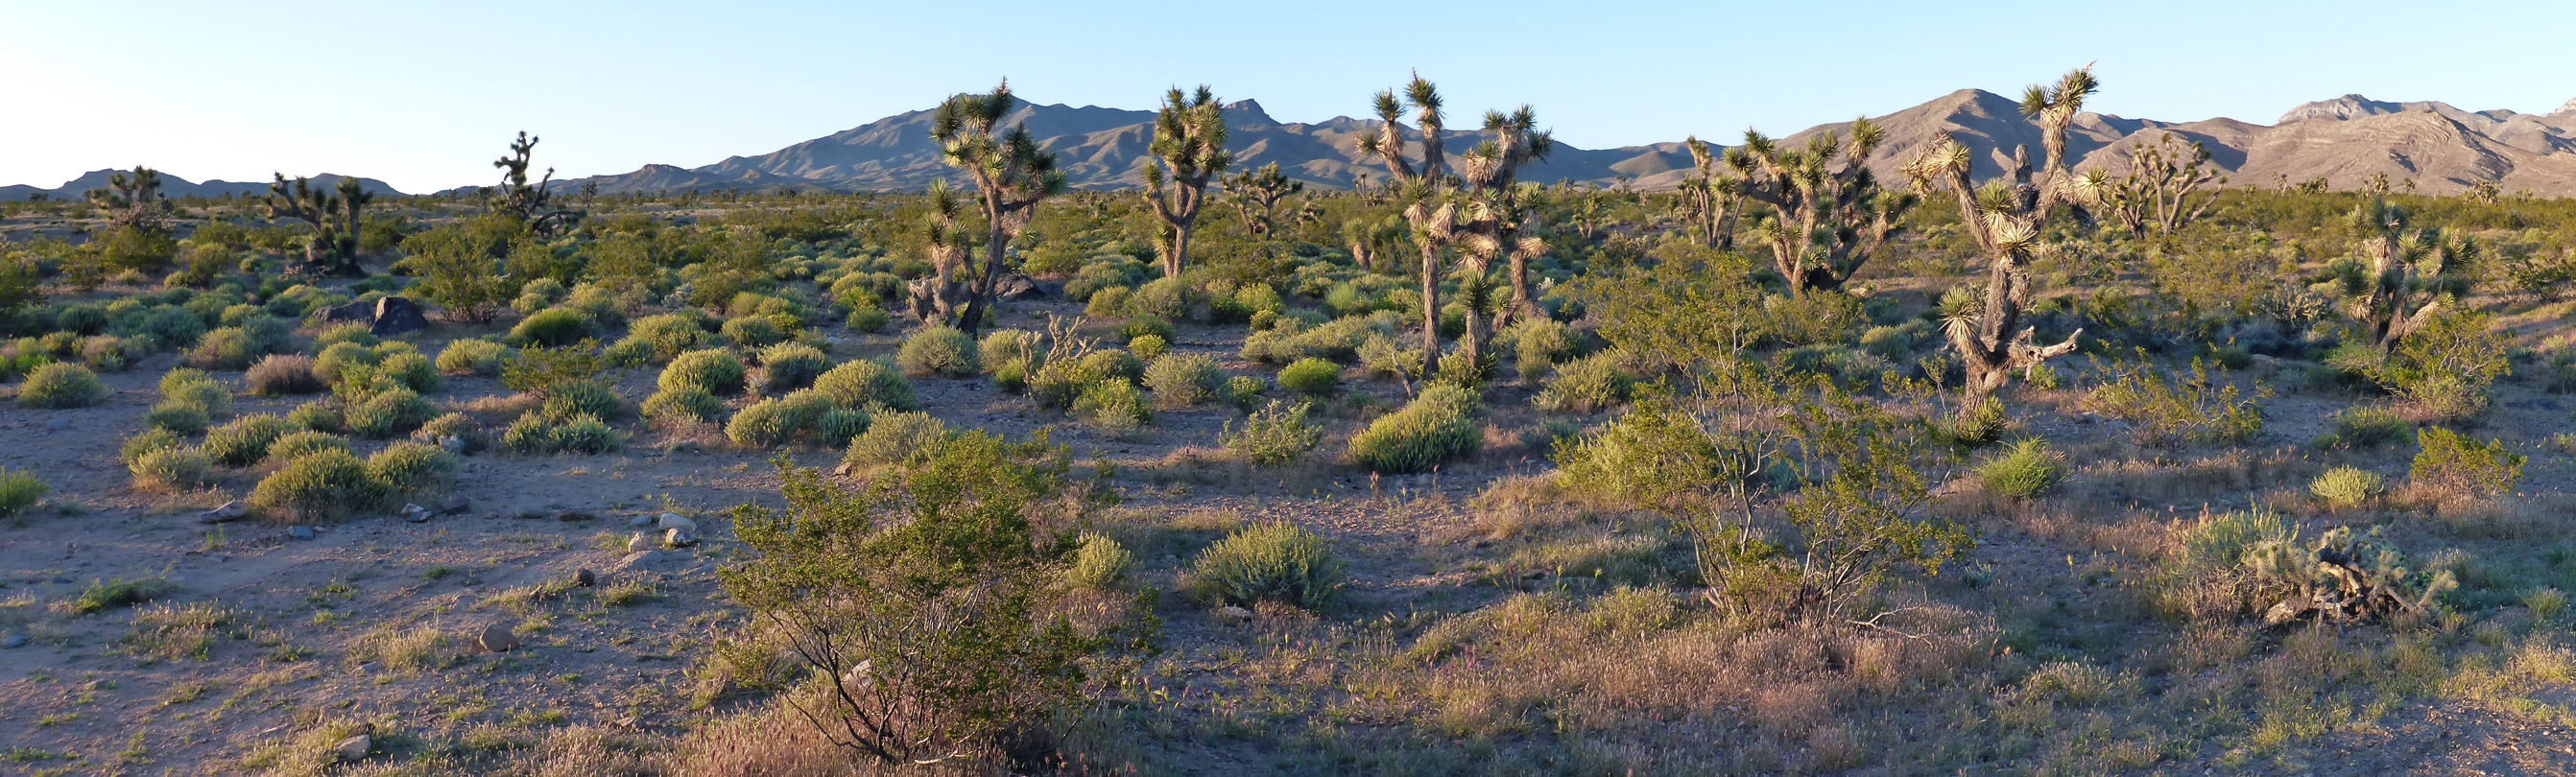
{"x":2344,"y":141}
{"x":174,"y":186}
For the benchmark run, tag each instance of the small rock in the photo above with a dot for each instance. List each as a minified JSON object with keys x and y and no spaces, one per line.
{"x":585,"y":578}
{"x":456,"y":504}
{"x":300,"y":532}
{"x":1231,"y":615}
{"x":414,"y":514}
{"x":529,"y":511}
{"x":641,"y":558}
{"x":574,"y":514}
{"x":354,"y":749}
{"x":640,"y":521}
{"x":231,"y":511}
{"x":844,"y":470}
{"x":679,"y":538}
{"x":678,"y":521}
{"x":497,"y":639}
{"x":13,"y":642}
{"x":638,"y":543}
{"x":58,"y":425}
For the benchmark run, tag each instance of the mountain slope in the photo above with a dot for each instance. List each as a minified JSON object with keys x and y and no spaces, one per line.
{"x":174,"y":186}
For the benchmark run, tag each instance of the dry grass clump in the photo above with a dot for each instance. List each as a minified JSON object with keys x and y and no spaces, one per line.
{"x":171,"y":631}
{"x":416,"y":649}
{"x":283,"y":374}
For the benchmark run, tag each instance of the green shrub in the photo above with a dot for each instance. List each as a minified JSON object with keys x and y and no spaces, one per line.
{"x":2368,"y":427}
{"x":714,"y":371}
{"x":19,"y":491}
{"x":230,"y":348}
{"x":1160,"y":298}
{"x":788,"y":366}
{"x":1273,"y":561}
{"x":2185,"y":406}
{"x":244,"y":441}
{"x":753,"y":332}
{"x":1651,"y":454}
{"x":149,"y":440}
{"x":868,"y":319}
{"x":283,"y":374}
{"x":325,"y":485}
{"x":2345,"y":487}
{"x":317,"y":415}
{"x":61,"y":385}
{"x":2027,"y":470}
{"x":838,"y":426}
{"x":472,"y":357}
{"x":1438,"y":426}
{"x":667,"y":336}
{"x":1311,"y":376}
{"x":196,"y":388}
{"x":1113,"y":365}
{"x":1585,"y":385}
{"x":387,"y":414}
{"x":340,"y":356}
{"x":536,"y":433}
{"x":1275,"y":434}
{"x":2449,"y":366}
{"x":458,"y":425}
{"x":1148,"y":347}
{"x":938,"y":350}
{"x":1184,"y":379}
{"x":412,"y":468}
{"x":683,"y":404}
{"x":188,"y":419}
{"x":299,"y":444}
{"x":897,"y":439}
{"x":1975,"y":427}
{"x":1099,"y":563}
{"x":1244,"y":391}
{"x":864,"y":382}
{"x":583,"y":398}
{"x":411,"y":369}
{"x":171,"y":470}
{"x":335,"y":334}
{"x":1113,"y":406}
{"x":553,"y":327}
{"x":2451,"y":464}
{"x":769,"y":422}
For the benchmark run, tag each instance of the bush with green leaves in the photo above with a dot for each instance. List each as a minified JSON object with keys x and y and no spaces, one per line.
{"x":413,"y":468}
{"x":788,"y":366}
{"x":1585,"y":385}
{"x":1244,"y":392}
{"x":1314,"y":377}
{"x":411,"y":369}
{"x":19,"y":491}
{"x":472,"y":357}
{"x":938,"y":350}
{"x":2367,"y":427}
{"x":946,"y":582}
{"x":664,"y":337}
{"x":171,"y":470}
{"x":197,"y":388}
{"x":387,"y":414}
{"x":536,"y":433}
{"x":299,"y":444}
{"x":755,"y":332}
{"x":864,"y":382}
{"x":1274,"y":561}
{"x":458,"y":425}
{"x":554,"y":327}
{"x":1651,"y":454}
{"x":2347,"y":487}
{"x":234,"y":348}
{"x":61,"y":385}
{"x":2185,"y":406}
{"x":1275,"y":434}
{"x":329,"y":362}
{"x":283,"y":374}
{"x":1149,"y":347}
{"x":1184,"y":379}
{"x":1438,"y":426}
{"x":1099,"y":563}
{"x":335,"y":334}
{"x":2447,"y":368}
{"x":2452,"y":464}
{"x":584,"y":398}
{"x":1114,"y":406}
{"x":542,"y":371}
{"x":868,"y":319}
{"x":245,"y":440}
{"x":686,"y":404}
{"x":769,"y":422}
{"x":714,"y":371}
{"x":324,"y":486}
{"x":2028,"y":469}
{"x":184,"y":418}
{"x":318,"y":415}
{"x":897,"y":439}
{"x":1114,"y":365}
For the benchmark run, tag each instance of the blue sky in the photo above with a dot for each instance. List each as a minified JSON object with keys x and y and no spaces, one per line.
{"x":425,"y":94}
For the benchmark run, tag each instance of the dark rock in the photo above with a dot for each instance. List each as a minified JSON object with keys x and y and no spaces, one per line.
{"x":585,"y":578}
{"x":415,"y":514}
{"x":498,"y":639}
{"x":300,"y":532}
{"x":352,"y":313}
{"x":1018,"y":286}
{"x":456,"y":504}
{"x":397,"y":315}
{"x":574,"y":514}
{"x":13,"y":642}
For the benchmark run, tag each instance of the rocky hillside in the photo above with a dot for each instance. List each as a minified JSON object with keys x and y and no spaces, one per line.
{"x":174,"y":186}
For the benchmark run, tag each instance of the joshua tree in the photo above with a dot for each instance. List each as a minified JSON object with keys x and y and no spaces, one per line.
{"x":1492,"y":170}
{"x":2163,"y":188}
{"x":133,"y":201}
{"x":942,"y":295}
{"x":2411,"y":271}
{"x":333,"y":246}
{"x":1188,"y":148}
{"x":1011,"y":176}
{"x":532,"y":204}
{"x":1432,"y":222}
{"x":2005,"y":218}
{"x":1256,"y":195}
{"x":1829,"y":220}
{"x":1712,"y":197}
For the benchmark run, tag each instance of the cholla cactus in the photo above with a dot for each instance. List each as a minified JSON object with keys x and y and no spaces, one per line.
{"x":1828,"y":220}
{"x":1188,"y":149}
{"x":2410,"y":272}
{"x":2342,"y":577}
{"x":1011,"y":176}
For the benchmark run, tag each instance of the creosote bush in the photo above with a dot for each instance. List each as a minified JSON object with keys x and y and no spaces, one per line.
{"x":323,"y":486}
{"x":938,"y":350}
{"x":19,"y":491}
{"x":2030,"y":468}
{"x":894,"y":439}
{"x":1276,"y":561}
{"x":61,"y":385}
{"x":1275,"y":434}
{"x":864,"y":382}
{"x":1184,"y":380}
{"x":1311,"y":377}
{"x":244,"y":441}
{"x":413,"y":468}
{"x":2347,"y":487}
{"x":1585,"y":385}
{"x":472,"y":357}
{"x":1436,"y":427}
{"x":713,"y":371}
{"x":172,"y":469}
{"x":788,"y":366}
{"x":2450,"y":464}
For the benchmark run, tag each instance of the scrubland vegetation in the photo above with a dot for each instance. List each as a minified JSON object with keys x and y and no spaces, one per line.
{"x":1790,"y":470}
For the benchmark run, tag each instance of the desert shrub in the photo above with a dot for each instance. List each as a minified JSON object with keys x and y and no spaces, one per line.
{"x":1311,"y":377}
{"x":2449,"y":366}
{"x":151,"y":439}
{"x":938,"y":350}
{"x":553,"y":327}
{"x":536,"y":433}
{"x":868,"y":319}
{"x":713,"y":371}
{"x":665,"y":337}
{"x":2344,"y":487}
{"x":1145,"y":327}
{"x":542,"y":371}
{"x":386,"y":414}
{"x":472,"y":357}
{"x":1113,"y":365}
{"x":61,"y":385}
{"x":862,"y":382}
{"x":836,"y":427}
{"x":230,"y":348}
{"x":2368,"y":427}
{"x":19,"y":491}
{"x":105,"y":594}
{"x":788,"y":366}
{"x":1585,"y":385}
{"x":411,"y":468}
{"x":335,"y":334}
{"x":109,"y":353}
{"x":1183,"y":380}
{"x":1336,"y":339}
{"x":1435,"y":427}
{"x":1244,"y":391}
{"x":1538,"y":344}
{"x":1148,"y":347}
{"x":897,"y":439}
{"x":2448,"y":463}
{"x":1275,"y":561}
{"x":411,"y":369}
{"x":2030,"y":468}
{"x":772,"y":421}
{"x":1650,"y":454}
{"x":2186,"y":406}
{"x":1099,"y":563}
{"x":283,"y":374}
{"x":1164,"y":298}
{"x":196,"y":388}
{"x":1114,"y":406}
{"x":468,"y":434}
{"x":583,"y":398}
{"x":752,"y":332}
{"x":1273,"y":435}
{"x":317,"y":415}
{"x":325,"y":485}
{"x":1974,"y":427}
{"x":686,"y":403}
{"x":338,"y":357}
{"x":187,"y":419}
{"x":171,"y":469}
{"x":244,"y":441}
{"x":299,"y":444}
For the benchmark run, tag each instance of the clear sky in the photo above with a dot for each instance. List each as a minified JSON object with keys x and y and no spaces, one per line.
{"x":425,"y":94}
